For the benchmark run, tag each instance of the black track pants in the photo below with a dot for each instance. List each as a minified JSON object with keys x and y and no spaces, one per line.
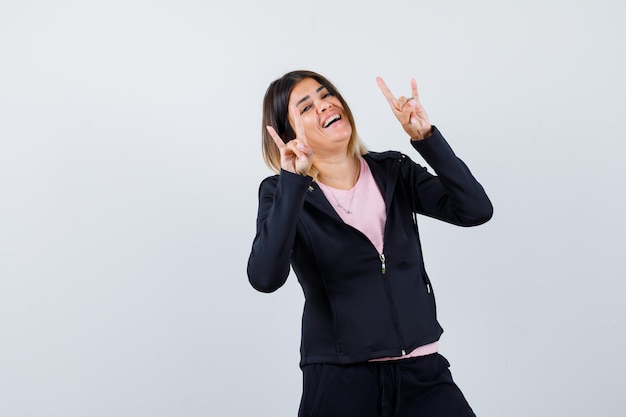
{"x":415,"y":387}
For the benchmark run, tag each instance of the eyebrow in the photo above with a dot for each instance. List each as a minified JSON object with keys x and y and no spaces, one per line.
{"x":305,"y":98}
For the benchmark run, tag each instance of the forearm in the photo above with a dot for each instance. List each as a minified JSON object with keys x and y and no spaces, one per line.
{"x":280,"y":206}
{"x":454,"y":195}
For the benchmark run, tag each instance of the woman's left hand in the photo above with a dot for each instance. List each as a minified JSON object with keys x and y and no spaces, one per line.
{"x":409,"y":111}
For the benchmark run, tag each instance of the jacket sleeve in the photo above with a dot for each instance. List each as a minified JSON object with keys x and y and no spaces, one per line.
{"x":454,"y":195}
{"x":281,"y":200}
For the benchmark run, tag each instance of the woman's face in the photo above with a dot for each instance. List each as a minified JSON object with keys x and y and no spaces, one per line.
{"x":325,"y":124}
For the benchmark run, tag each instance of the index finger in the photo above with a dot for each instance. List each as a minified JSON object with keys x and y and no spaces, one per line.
{"x":297,"y":121}
{"x":279,"y":142}
{"x":386,"y":92}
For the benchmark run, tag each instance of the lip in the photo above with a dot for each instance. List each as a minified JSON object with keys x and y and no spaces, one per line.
{"x":330,"y":116}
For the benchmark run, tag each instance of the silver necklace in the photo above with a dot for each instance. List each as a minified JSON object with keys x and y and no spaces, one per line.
{"x":347,"y":210}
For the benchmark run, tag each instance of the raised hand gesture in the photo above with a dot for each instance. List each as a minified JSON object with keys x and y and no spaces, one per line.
{"x":409,"y":111}
{"x":296,"y":156}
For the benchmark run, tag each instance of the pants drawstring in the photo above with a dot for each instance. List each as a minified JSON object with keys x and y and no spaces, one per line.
{"x":389,"y":381}
{"x":398,"y":384}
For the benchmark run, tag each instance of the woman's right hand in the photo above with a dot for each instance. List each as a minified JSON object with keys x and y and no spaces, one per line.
{"x":296,"y":156}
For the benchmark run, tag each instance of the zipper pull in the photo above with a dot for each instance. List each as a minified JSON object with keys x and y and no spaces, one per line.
{"x":428,"y":287}
{"x":382,"y":260}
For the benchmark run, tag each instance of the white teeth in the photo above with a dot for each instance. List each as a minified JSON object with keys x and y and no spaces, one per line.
{"x":331,"y":119}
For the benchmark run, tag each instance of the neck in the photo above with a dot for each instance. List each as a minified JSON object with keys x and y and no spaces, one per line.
{"x":338,"y":172}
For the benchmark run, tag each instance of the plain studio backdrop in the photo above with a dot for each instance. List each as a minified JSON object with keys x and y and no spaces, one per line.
{"x":130,"y":161}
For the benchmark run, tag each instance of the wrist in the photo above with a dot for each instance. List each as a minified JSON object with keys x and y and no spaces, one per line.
{"x":422,"y":134}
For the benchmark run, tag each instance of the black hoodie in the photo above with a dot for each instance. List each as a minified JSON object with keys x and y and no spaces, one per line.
{"x":361,"y":304}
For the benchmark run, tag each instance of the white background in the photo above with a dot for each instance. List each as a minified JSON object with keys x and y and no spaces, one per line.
{"x":130,"y":162}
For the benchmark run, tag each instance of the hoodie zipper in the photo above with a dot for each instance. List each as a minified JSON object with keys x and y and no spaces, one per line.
{"x":383,"y":271}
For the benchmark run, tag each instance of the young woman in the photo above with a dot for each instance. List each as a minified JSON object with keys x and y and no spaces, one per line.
{"x":344,"y":219}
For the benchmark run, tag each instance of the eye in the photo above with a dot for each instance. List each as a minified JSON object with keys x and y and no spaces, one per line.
{"x":305,"y":108}
{"x":327,"y":94}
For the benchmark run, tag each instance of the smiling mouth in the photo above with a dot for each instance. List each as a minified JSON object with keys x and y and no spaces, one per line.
{"x":331,"y":120}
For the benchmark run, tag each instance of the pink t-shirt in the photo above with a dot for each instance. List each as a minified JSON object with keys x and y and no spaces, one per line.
{"x":364,"y":203}
{"x":363,"y":208}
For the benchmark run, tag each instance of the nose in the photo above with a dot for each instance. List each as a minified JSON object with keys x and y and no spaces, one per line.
{"x":323,"y":106}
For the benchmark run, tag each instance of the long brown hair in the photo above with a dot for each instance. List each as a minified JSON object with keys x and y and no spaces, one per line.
{"x":276,"y":114}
